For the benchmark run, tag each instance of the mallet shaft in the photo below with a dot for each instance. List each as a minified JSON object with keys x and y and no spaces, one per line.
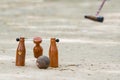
{"x":100,"y":8}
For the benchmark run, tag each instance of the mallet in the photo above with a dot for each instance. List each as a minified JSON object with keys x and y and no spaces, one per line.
{"x":97,"y":18}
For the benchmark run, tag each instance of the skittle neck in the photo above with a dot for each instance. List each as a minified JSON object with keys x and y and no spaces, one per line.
{"x":37,"y":40}
{"x":53,"y":41}
{"x":22,"y":39}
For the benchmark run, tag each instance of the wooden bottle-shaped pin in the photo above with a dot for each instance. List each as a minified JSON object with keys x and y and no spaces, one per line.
{"x":53,"y":53}
{"x":20,"y":53}
{"x":37,"y":50}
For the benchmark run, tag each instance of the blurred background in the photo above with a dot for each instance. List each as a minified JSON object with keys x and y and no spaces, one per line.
{"x":57,"y":18}
{"x":82,"y":41}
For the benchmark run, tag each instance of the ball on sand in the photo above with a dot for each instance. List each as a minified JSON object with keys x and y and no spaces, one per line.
{"x":43,"y":62}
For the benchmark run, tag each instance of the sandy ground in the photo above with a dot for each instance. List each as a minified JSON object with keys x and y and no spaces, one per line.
{"x":87,"y":50}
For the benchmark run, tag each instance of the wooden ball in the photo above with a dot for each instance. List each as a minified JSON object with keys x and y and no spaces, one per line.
{"x":43,"y":62}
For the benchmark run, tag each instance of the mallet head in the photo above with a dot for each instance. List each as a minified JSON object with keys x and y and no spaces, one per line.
{"x":98,"y":19}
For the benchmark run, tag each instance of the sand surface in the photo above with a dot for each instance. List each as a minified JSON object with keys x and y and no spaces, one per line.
{"x":87,"y":50}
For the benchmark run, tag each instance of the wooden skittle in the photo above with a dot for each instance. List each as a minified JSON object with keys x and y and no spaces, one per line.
{"x":37,"y":50}
{"x":20,"y":53}
{"x":53,"y":53}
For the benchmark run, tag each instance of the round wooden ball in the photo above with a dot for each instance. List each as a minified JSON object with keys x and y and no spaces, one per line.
{"x":43,"y":62}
